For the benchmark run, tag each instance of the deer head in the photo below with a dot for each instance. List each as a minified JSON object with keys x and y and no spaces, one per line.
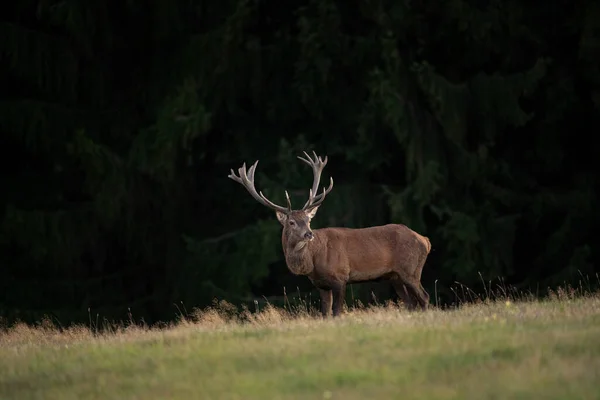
{"x":296,"y":223}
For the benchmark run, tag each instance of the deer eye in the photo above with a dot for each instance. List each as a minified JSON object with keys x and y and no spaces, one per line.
{"x":292,"y":223}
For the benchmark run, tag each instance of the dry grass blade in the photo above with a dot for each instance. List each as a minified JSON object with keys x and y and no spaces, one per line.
{"x":546,"y":349}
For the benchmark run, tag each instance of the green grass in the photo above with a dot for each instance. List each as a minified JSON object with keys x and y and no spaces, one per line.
{"x":541,"y":350}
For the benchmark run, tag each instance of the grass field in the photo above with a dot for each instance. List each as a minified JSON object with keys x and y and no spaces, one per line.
{"x":530,"y":350}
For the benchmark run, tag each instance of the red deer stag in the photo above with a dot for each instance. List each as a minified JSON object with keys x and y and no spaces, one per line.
{"x":334,"y":257}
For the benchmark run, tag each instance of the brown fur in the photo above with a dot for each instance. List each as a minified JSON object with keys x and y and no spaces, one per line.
{"x":336,"y":257}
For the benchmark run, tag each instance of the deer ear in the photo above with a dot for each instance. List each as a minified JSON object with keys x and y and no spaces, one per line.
{"x":310,"y":214}
{"x":281,"y":217}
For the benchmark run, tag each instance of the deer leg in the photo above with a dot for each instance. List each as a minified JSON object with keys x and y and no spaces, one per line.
{"x":425,"y":294}
{"x":326,"y":301}
{"x":405,"y":296}
{"x":338,"y":292}
{"x":420,"y":294}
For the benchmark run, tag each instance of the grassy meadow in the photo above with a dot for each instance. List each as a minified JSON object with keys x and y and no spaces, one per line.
{"x":547,"y":349}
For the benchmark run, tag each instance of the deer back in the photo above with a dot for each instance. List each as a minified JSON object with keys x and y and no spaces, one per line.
{"x":368,"y":253}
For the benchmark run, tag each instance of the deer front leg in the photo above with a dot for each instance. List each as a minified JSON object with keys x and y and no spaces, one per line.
{"x":339,"y":292}
{"x":326,"y":300}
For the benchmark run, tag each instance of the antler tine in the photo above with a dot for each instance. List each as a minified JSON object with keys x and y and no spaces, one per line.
{"x":318,"y":199}
{"x":307,"y":160}
{"x":251,"y":171}
{"x":289,"y":203}
{"x":319,"y":159}
{"x":317,"y":164}
{"x":246,"y":179}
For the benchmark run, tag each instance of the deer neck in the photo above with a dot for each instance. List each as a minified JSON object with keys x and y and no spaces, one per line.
{"x":298,"y":256}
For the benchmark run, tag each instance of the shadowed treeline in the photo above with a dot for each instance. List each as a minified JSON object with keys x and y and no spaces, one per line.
{"x":120,"y":121}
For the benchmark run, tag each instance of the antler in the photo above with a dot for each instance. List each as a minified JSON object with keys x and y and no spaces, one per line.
{"x":247,"y":180}
{"x":317,"y":165}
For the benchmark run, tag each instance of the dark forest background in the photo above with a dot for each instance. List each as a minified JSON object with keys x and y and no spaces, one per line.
{"x":472,"y":122}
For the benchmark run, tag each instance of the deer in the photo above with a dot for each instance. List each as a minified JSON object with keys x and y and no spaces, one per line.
{"x":334,"y":257}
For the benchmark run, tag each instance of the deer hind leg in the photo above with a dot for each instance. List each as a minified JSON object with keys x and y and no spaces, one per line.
{"x":326,"y":301}
{"x":425,"y":294}
{"x":402,"y":292}
{"x":420,"y":294}
{"x":411,"y":283}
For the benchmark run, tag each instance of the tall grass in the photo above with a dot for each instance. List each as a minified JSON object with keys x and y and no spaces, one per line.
{"x":303,"y":307}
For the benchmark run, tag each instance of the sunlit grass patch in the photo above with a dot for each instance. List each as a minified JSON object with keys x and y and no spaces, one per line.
{"x":500,"y":349}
